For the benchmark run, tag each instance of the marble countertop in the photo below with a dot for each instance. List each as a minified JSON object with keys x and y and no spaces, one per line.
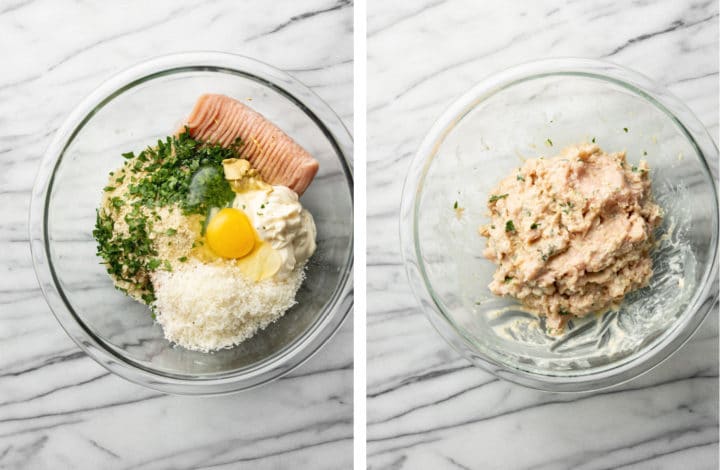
{"x":427,"y":407}
{"x":58,"y":408}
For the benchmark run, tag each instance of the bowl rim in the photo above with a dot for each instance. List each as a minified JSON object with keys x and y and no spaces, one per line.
{"x":662,"y":347}
{"x":279,"y":363}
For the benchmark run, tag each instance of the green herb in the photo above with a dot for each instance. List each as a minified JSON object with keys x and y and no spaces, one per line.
{"x":568,"y":206}
{"x":167,"y":266}
{"x":182,"y":170}
{"x":126,"y":256}
{"x":496,"y":197}
{"x":563,"y":312}
{"x":182,"y":259}
{"x":625,"y":129}
{"x":129,"y":155}
{"x":455,"y":206}
{"x":593,"y":140}
{"x":509,"y":226}
{"x":117,"y":202}
{"x":634,"y":169}
{"x":508,"y":279}
{"x":170,"y":232}
{"x":549,"y":142}
{"x":109,"y":188}
{"x":520,"y":177}
{"x":550,"y":252}
{"x":120,"y":179}
{"x":492,"y":227}
{"x":262,"y":206}
{"x":645,"y":152}
{"x":533,"y":226}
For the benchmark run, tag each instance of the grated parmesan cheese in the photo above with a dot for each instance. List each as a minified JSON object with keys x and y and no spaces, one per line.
{"x":206,"y":307}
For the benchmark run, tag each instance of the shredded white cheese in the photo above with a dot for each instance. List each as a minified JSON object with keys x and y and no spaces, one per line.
{"x":205,"y":307}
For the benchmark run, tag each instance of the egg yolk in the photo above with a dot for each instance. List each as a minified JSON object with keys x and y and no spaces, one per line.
{"x":230,"y":233}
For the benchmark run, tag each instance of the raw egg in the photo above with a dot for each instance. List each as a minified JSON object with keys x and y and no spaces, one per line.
{"x":230,"y":234}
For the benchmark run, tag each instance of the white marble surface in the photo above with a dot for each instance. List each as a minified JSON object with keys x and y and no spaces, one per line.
{"x":427,"y":407}
{"x":58,"y":408}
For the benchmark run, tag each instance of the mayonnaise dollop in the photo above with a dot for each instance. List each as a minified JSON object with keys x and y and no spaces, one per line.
{"x":279,"y":219}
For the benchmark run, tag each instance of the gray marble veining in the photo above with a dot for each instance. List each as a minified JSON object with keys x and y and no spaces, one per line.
{"x":58,"y":408}
{"x":427,"y":407}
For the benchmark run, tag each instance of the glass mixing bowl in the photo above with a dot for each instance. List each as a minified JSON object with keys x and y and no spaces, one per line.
{"x":130,"y":111}
{"x":537,"y":109}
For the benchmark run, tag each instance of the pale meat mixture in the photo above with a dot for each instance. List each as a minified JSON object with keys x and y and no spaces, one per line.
{"x":571,"y":235}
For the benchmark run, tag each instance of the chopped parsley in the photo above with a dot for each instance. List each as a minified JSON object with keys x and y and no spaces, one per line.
{"x":182,"y":170}
{"x":625,"y":129}
{"x":533,"y":226}
{"x":170,"y":232}
{"x":455,"y":206}
{"x":548,"y":142}
{"x":509,"y":226}
{"x":182,"y":259}
{"x":634,"y":169}
{"x":508,"y":279}
{"x":567,"y":206}
{"x":550,"y":252}
{"x":496,"y":197}
{"x":127,"y":257}
{"x":116,"y":202}
{"x":520,"y":177}
{"x":593,"y":140}
{"x":563,"y":312}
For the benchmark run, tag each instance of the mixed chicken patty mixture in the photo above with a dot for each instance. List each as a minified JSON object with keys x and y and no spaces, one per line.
{"x":572,"y":234}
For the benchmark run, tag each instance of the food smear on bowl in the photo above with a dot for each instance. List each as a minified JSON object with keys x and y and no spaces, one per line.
{"x":571,"y":235}
{"x":193,"y":228}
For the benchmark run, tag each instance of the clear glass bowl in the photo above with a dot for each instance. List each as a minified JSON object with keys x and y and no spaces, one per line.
{"x":479,"y":140}
{"x":130,"y":111}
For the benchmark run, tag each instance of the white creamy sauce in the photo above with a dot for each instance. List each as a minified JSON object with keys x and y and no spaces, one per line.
{"x":279,"y":218}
